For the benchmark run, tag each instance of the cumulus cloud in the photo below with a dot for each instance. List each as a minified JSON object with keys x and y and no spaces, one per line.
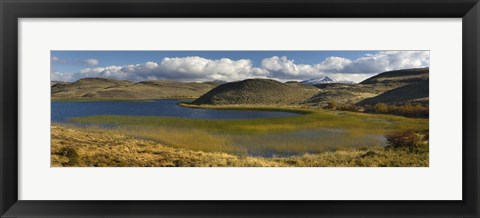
{"x":340,"y":68}
{"x":57,"y":60}
{"x":58,"y":76}
{"x":282,"y":68}
{"x":201,"y":68}
{"x":179,"y":68}
{"x":91,"y":62}
{"x":388,"y":60}
{"x":333,"y":64}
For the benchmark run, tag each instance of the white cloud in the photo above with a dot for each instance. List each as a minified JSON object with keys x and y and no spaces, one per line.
{"x":58,"y":60}
{"x":91,"y":62}
{"x":354,"y":70}
{"x":333,"y":64}
{"x":388,"y":60}
{"x":58,"y":76}
{"x":281,"y":68}
{"x":179,"y":68}
{"x":206,"y":69}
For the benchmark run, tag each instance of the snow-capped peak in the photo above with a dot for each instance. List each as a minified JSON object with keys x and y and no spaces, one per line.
{"x":324,"y":80}
{"x":320,"y":80}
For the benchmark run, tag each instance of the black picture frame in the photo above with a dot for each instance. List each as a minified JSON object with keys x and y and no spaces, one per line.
{"x":12,"y":10}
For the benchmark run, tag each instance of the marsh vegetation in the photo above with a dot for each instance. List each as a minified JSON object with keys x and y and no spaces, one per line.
{"x":76,"y":147}
{"x":314,"y":131}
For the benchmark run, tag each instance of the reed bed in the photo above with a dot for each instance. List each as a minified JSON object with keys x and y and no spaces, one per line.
{"x":314,"y":131}
{"x":93,"y":147}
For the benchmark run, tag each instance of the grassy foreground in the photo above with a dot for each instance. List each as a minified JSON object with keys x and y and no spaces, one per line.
{"x":78,"y":147}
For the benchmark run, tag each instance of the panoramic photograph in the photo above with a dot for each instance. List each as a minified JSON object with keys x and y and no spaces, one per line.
{"x":240,"y":108}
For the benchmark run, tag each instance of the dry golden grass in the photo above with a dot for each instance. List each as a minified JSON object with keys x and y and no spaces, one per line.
{"x":75,"y":147}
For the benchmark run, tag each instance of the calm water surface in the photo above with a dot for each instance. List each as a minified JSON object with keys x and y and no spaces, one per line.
{"x":62,"y":111}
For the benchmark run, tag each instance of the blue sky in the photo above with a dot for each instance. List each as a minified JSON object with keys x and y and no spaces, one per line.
{"x":230,"y":65}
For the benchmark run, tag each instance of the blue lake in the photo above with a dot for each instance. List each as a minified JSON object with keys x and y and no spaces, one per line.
{"x":62,"y":111}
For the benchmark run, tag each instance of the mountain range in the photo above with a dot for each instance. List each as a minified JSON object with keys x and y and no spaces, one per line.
{"x":392,"y":87}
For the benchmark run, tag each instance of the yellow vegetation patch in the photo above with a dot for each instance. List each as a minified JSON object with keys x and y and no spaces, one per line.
{"x":98,"y":148}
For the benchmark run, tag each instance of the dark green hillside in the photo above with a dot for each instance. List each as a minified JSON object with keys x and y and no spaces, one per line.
{"x":412,"y":87}
{"x":412,"y":93}
{"x":406,"y":76}
{"x":343,"y":93}
{"x":392,"y":87}
{"x":257,"y":92}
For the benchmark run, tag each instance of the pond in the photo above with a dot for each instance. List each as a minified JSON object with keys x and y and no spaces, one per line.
{"x":62,"y":111}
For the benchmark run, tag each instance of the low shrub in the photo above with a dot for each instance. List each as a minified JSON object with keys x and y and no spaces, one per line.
{"x":408,"y":110}
{"x":408,"y":139}
{"x":332,"y":105}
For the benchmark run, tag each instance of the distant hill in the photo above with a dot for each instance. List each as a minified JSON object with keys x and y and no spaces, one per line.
{"x":343,"y":93}
{"x":257,"y":92}
{"x":57,"y":82}
{"x":406,"y":76}
{"x":101,"y":88}
{"x":392,"y":87}
{"x":407,"y":86}
{"x":417,"y":92}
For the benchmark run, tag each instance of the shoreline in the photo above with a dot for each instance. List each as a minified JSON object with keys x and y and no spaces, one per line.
{"x":111,"y":99}
{"x":299,"y":110}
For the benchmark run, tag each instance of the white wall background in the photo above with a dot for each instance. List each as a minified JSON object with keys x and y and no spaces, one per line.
{"x":441,"y":181}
